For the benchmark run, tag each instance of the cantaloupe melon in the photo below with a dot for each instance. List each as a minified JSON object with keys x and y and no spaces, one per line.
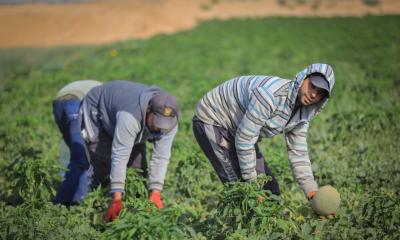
{"x":326,"y":201}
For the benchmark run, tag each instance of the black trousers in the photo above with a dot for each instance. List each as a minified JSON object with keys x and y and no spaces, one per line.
{"x":100,"y":159}
{"x":226,"y":143}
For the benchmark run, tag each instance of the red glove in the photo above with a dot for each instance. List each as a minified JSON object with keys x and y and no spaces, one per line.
{"x":114,"y":210}
{"x":155,"y":197}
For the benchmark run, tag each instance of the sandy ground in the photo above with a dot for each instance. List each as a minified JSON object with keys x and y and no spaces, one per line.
{"x":97,"y":22}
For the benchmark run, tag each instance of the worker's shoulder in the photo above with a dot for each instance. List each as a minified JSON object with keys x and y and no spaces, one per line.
{"x":274,"y":88}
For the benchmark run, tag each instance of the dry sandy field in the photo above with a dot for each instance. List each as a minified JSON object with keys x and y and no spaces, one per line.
{"x":105,"y":21}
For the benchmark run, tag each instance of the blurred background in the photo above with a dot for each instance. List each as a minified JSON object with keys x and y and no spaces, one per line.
{"x":44,"y":23}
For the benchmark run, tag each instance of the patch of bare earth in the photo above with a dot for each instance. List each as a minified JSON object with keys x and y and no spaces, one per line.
{"x":97,"y":22}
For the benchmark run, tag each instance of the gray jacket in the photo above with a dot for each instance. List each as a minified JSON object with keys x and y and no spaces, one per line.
{"x":119,"y":108}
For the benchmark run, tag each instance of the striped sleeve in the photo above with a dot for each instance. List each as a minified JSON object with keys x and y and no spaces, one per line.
{"x":257,"y":113}
{"x":296,"y":142}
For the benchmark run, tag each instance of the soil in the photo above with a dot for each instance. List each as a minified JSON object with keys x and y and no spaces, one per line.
{"x":106,"y":21}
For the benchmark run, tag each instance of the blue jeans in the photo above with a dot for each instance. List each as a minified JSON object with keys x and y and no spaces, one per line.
{"x":66,"y":116}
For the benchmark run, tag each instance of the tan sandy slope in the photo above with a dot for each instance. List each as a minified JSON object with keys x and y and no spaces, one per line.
{"x":38,"y":25}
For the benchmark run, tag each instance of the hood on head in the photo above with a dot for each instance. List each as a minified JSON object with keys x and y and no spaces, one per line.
{"x":321,"y":68}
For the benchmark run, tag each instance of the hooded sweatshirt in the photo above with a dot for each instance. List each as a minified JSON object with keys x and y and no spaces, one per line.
{"x":250,"y":107}
{"x":119,"y":108}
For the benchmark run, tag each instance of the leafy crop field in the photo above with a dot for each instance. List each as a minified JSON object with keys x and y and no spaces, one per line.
{"x":353,"y":143}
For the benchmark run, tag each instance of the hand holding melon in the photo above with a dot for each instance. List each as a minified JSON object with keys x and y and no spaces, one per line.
{"x":325,"y":201}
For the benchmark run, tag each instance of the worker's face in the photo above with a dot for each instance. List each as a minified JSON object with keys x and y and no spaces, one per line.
{"x":309,"y":94}
{"x":149,"y":123}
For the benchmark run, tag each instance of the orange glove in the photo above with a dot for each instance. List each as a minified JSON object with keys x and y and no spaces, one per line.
{"x":310,"y":195}
{"x":155,"y":197}
{"x":114,"y":210}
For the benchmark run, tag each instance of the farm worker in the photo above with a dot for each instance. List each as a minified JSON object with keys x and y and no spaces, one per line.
{"x":230,"y":119}
{"x":65,"y":110}
{"x":119,"y":116}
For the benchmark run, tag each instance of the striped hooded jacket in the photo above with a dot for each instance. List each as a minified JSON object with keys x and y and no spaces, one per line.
{"x":250,"y":107}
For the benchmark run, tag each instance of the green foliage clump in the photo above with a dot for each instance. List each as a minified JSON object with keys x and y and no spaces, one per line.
{"x":247,"y":209}
{"x":46,"y":221}
{"x":140,"y":218}
{"x":143,"y":220}
{"x":30,"y":181}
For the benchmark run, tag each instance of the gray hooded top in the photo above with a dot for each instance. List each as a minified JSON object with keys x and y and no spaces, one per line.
{"x":119,"y":108}
{"x":262,"y":106}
